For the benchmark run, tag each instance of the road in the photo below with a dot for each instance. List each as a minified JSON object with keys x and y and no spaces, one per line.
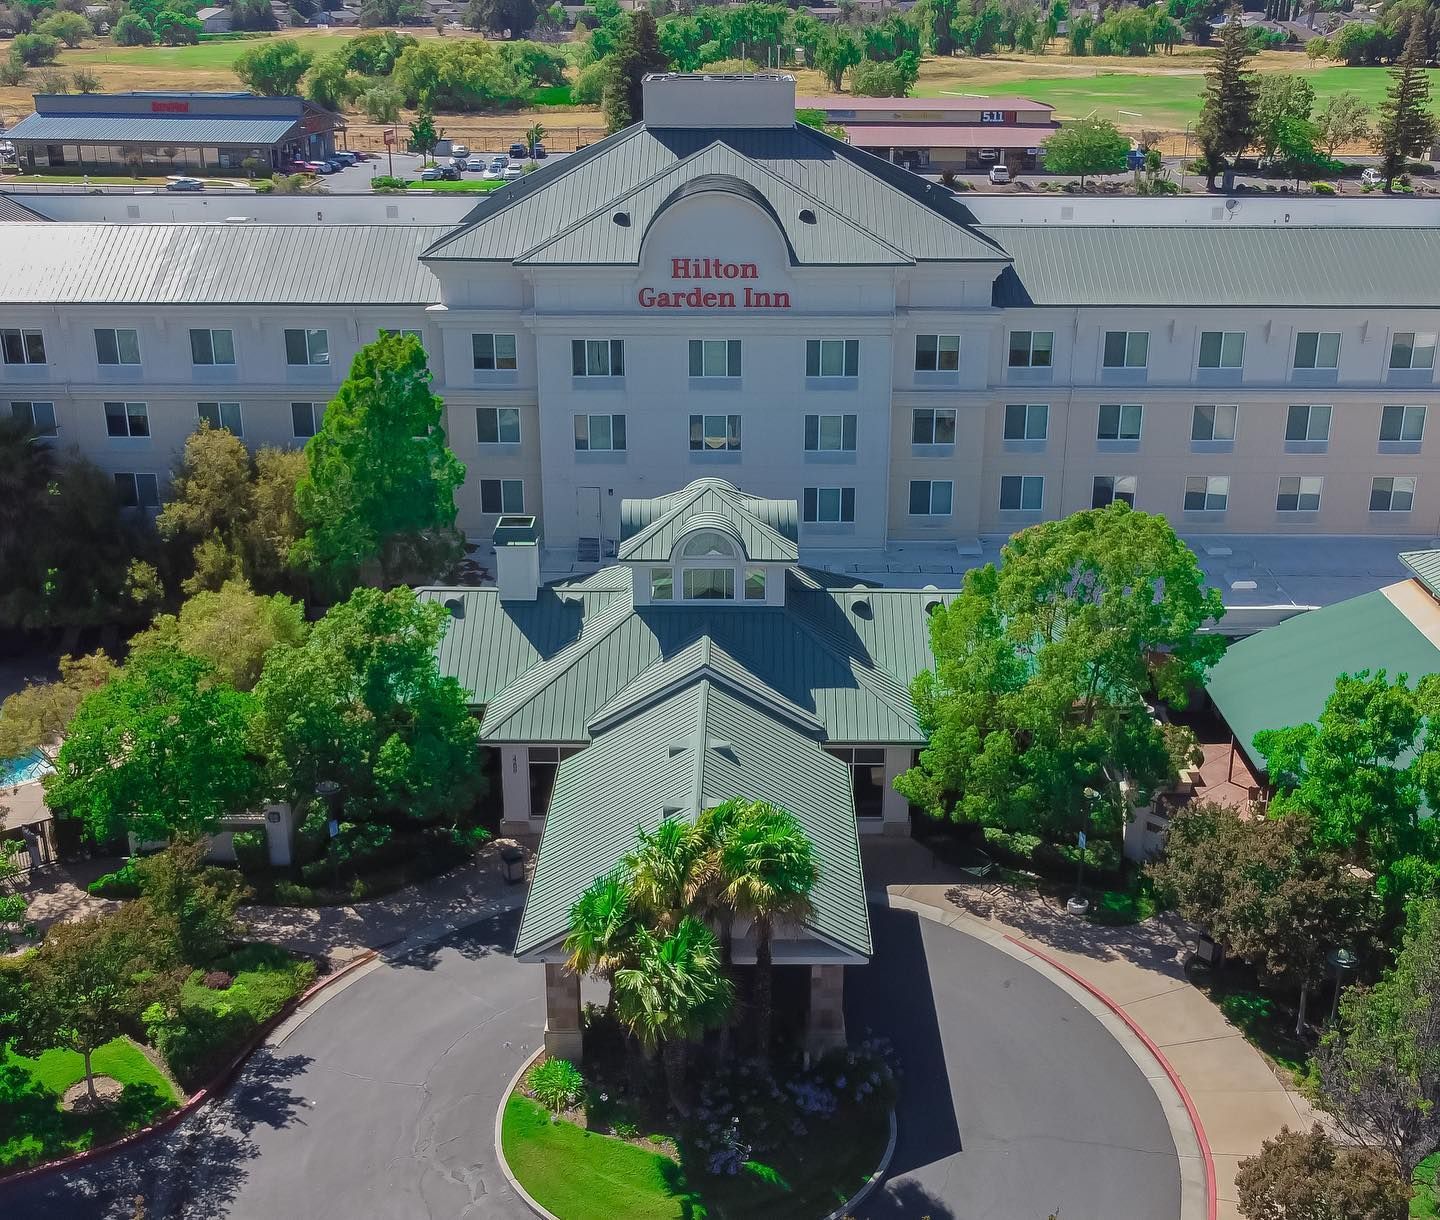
{"x":1015,"y":1101}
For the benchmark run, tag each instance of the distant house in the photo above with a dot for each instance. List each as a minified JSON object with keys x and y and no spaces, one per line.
{"x":214,"y":20}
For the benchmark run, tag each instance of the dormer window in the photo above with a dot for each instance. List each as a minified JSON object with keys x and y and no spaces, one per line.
{"x":709,"y":584}
{"x":708,"y":544}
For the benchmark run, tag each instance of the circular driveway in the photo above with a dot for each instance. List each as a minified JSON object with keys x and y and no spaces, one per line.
{"x":1015,"y":1101}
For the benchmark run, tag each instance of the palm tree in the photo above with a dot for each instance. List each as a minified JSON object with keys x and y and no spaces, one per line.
{"x":674,"y":992}
{"x":767,"y":870}
{"x":602,"y":925}
{"x":664,"y":871}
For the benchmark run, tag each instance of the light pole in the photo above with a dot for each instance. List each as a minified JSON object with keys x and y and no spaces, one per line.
{"x":329,"y":792}
{"x":1343,"y":965}
{"x":1079,"y":904}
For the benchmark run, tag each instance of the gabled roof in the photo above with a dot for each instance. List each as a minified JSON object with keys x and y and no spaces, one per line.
{"x":688,"y":752}
{"x":889,"y":205}
{"x":12,"y":210}
{"x":766,"y":529}
{"x":1426,"y":566}
{"x":188,"y":131}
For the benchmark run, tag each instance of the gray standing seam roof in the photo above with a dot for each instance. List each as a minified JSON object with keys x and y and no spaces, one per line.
{"x":12,"y":211}
{"x":186,"y":131}
{"x":767,"y":529}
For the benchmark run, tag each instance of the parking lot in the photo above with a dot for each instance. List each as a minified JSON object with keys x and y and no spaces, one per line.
{"x":407,"y":165}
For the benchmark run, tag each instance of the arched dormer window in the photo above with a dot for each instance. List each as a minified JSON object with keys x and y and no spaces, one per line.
{"x":708,"y":544}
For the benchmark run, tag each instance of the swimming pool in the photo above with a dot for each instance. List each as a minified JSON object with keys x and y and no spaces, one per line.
{"x":23,"y":770}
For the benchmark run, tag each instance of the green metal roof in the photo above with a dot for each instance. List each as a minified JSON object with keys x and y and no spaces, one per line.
{"x":1426,"y":566}
{"x":1282,"y":676}
{"x":1218,"y":265}
{"x":696,"y":748}
{"x":766,"y":529}
{"x":863,"y":200}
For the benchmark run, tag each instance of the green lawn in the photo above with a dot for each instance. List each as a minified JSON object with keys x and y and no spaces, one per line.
{"x":33,"y":1127}
{"x":465,"y":184}
{"x":1163,"y":102}
{"x":215,"y":56}
{"x":1424,"y":1205}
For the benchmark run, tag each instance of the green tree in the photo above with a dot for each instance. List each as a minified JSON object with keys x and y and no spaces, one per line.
{"x":423,"y":133}
{"x":1305,"y":1175}
{"x":1227,"y":115}
{"x":1406,"y":125}
{"x":637,"y":55}
{"x":837,"y":52}
{"x":1280,"y":96}
{"x":70,"y":28}
{"x":1043,"y":668}
{"x":1295,"y":146}
{"x":381,"y":103}
{"x":362,"y":702}
{"x":1379,"y":1067}
{"x":36,"y":716}
{"x":28,"y":471}
{"x":192,"y":901}
{"x":274,"y":68}
{"x":893,"y":79}
{"x":1343,"y":119}
{"x":512,"y":17}
{"x":1085,"y":147}
{"x":1082,"y":27}
{"x":664,"y":871}
{"x":232,"y":628}
{"x":132,"y":30}
{"x":602,"y":928}
{"x":329,"y":82}
{"x":938,"y":19}
{"x":161,"y":749}
{"x":675,"y":992}
{"x":34,"y":50}
{"x":176,"y":29}
{"x":379,"y":493}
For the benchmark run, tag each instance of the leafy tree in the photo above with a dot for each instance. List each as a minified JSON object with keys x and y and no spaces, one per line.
{"x":423,"y":134}
{"x":534,"y":64}
{"x":382,"y":102}
{"x":1264,"y":890}
{"x":161,"y":749}
{"x":894,"y":79}
{"x":1343,"y":119}
{"x":252,"y":15}
{"x":33,"y":50}
{"x":375,"y":53}
{"x":1281,"y":96}
{"x":1227,"y":116}
{"x":1085,"y":147}
{"x":132,"y":30}
{"x":511,"y":17}
{"x":1295,"y":145}
{"x":329,"y":82}
{"x":36,"y":717}
{"x":192,"y":901}
{"x":1300,"y":1175}
{"x":938,"y":19}
{"x":361,"y":701}
{"x":391,"y":12}
{"x":984,"y":31}
{"x":1081,"y":29}
{"x":817,"y":120}
{"x":232,"y":628}
{"x":70,"y":28}
{"x":837,"y":52}
{"x":274,"y":68}
{"x":1379,"y":1067}
{"x":176,"y":29}
{"x":380,"y":488}
{"x":28,"y":470}
{"x":1044,"y":665}
{"x":1406,"y":125}
{"x":637,"y":55}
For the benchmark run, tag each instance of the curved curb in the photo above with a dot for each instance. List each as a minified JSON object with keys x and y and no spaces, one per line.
{"x":876,"y":1178}
{"x":214,"y":1089}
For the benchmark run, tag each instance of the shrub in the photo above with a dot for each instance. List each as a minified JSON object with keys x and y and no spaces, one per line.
{"x":53,"y":81}
{"x":384,"y":180}
{"x":32,"y":50}
{"x":251,"y":850}
{"x":70,"y":28}
{"x":589,"y":84}
{"x":124,"y":882}
{"x":264,"y":186}
{"x":86,"y":81}
{"x":11,"y":73}
{"x":218,"y":980}
{"x":1322,"y":188}
{"x":556,"y":1084}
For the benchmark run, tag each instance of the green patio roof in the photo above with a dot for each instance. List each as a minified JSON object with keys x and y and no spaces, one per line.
{"x":1426,"y":566}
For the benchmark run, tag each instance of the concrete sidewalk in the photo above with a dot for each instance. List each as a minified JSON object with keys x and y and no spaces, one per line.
{"x":1238,"y":1097}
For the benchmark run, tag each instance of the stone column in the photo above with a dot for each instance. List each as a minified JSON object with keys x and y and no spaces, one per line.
{"x":563,"y":1038}
{"x":825,"y":1029}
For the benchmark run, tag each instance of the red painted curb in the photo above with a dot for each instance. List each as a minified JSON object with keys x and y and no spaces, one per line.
{"x":212,"y":1089}
{"x":1211,"y":1194}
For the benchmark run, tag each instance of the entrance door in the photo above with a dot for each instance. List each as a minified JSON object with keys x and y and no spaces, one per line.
{"x":589,"y":530}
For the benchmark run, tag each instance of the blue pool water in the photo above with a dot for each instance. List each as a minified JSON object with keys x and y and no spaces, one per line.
{"x":23,"y":770}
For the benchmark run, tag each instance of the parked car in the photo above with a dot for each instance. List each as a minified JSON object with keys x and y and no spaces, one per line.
{"x":450,"y":173}
{"x":1372,"y":177}
{"x":184,"y":184}
{"x":492,"y":174}
{"x":517,"y":152}
{"x":538,"y":152}
{"x":326,"y":167}
{"x":317,"y":167}
{"x":344,"y":158}
{"x":459,"y":152}
{"x":476,"y":164}
{"x":999,"y":174}
{"x":431,"y":173}
{"x":498,"y":164}
{"x":513,"y":172}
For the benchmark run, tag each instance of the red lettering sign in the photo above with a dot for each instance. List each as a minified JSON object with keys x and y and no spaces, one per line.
{"x":701,"y":298}
{"x":169,"y":107}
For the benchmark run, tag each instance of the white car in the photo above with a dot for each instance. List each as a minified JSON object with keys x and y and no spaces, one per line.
{"x":431,"y":173}
{"x":512,"y":172}
{"x":1372,"y":177}
{"x":492,"y":174}
{"x":459,"y":151}
{"x":476,"y":164}
{"x":999,"y":174}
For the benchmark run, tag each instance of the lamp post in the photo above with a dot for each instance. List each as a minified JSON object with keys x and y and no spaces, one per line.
{"x":1079,"y":904}
{"x":329,"y":792}
{"x":1343,"y":964}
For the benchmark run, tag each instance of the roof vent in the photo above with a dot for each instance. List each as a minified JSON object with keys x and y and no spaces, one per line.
{"x":456,"y":606}
{"x":807,"y":216}
{"x":932,"y":605}
{"x":622,"y":219}
{"x":860,"y":607}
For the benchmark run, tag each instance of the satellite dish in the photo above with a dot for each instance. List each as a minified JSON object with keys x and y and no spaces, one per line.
{"x":1231,"y":204}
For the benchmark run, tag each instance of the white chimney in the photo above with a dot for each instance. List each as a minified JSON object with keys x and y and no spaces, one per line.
{"x":517,"y":558}
{"x":705,"y":99}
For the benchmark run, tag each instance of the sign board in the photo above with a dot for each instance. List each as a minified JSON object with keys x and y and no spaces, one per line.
{"x":1082,"y":840}
{"x":389,"y":136}
{"x":170,"y":107}
{"x":696,"y":297}
{"x":334,"y":827}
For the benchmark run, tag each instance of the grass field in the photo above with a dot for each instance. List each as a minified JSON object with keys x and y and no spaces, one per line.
{"x":465,"y":185}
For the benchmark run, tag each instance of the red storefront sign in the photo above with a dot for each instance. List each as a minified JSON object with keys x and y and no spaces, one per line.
{"x":169,"y":107}
{"x":704,"y":298}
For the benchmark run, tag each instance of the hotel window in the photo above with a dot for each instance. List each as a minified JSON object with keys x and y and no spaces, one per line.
{"x":930,"y":497}
{"x":1399,"y":423}
{"x":1213,"y":422}
{"x":493,"y":353}
{"x":307,"y":347}
{"x":117,"y":346}
{"x":597,"y":357}
{"x":1222,"y":349}
{"x":39,"y":417}
{"x":714,"y":357}
{"x":222,"y":415}
{"x":1127,"y":349}
{"x":1031,"y":349}
{"x":1307,"y":423}
{"x":867,"y":778}
{"x":1299,"y":493}
{"x":497,"y":425}
{"x":502,"y":496}
{"x":824,"y":505}
{"x":715,"y":433}
{"x":1026,"y":422}
{"x":754,"y":584}
{"x":1392,"y":495}
{"x":138,"y":490}
{"x":127,"y":419}
{"x":392,"y":331}
{"x":932,"y":426}
{"x":544,"y":762}
{"x":22,"y":346}
{"x":662,"y":585}
{"x":1022,"y":493}
{"x":1412,"y":350}
{"x":1119,"y":422}
{"x":832,"y":357}
{"x":937,"y":353}
{"x":1111,"y":487}
{"x":830,"y":433}
{"x":305,"y":418}
{"x":1317,"y":349}
{"x":1207,"y":493}
{"x":596,"y":433}
{"x":708,"y":584}
{"x":212,"y":347}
